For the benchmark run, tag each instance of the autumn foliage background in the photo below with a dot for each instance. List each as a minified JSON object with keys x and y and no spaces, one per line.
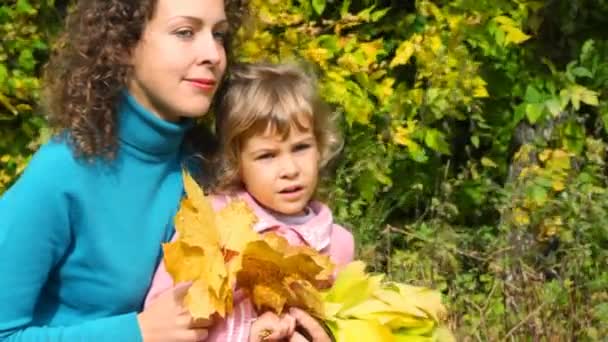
{"x":476,"y":137}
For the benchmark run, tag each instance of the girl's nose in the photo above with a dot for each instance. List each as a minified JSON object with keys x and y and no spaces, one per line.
{"x":289,"y":167}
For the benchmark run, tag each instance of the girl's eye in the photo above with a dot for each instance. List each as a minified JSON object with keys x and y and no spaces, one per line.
{"x":301,"y":147}
{"x":185,"y":33}
{"x":264,"y":156}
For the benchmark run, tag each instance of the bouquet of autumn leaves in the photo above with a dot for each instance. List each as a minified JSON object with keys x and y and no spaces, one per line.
{"x":218,"y":251}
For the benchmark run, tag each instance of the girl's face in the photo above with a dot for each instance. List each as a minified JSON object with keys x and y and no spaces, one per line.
{"x":280,"y":173}
{"x":180,"y":59}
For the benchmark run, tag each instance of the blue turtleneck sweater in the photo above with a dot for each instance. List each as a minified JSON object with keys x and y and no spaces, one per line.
{"x":79,"y":241}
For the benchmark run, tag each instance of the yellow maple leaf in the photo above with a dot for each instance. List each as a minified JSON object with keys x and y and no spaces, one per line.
{"x":361,"y":305}
{"x":277,"y":274}
{"x":208,"y":250}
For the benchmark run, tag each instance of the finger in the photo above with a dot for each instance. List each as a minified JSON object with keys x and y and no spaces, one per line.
{"x":297,"y":337}
{"x":314,"y":328}
{"x":290,"y":324}
{"x":200,"y":323}
{"x":266,"y":331}
{"x":271,"y":334}
{"x":180,"y":290}
{"x":194,"y":335}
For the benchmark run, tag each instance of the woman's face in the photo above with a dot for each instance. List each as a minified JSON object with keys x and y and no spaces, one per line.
{"x":180,"y":59}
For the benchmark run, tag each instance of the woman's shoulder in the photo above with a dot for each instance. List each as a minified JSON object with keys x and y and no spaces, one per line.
{"x":55,"y":157}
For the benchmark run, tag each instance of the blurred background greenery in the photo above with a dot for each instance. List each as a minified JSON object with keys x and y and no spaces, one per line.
{"x":476,"y":135}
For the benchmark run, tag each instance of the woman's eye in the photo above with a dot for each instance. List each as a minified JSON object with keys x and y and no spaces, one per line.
{"x":220,"y":35}
{"x":184,"y":33}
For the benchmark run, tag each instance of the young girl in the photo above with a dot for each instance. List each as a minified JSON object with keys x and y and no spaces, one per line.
{"x":275,"y":135}
{"x":81,"y":230}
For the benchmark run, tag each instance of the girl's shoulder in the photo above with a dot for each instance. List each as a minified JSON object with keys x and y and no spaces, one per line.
{"x":219,"y":201}
{"x":341,"y":245}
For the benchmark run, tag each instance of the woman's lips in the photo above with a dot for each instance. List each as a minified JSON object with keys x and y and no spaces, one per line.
{"x":204,"y":84}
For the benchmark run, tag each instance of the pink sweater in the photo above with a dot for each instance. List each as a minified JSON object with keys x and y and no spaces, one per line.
{"x":320,"y":232}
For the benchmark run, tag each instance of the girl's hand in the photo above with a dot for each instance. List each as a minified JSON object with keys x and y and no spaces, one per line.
{"x":313,"y":328}
{"x":270,"y":327}
{"x":165,"y":319}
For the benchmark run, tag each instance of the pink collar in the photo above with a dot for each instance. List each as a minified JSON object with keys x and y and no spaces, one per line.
{"x":316,"y":232}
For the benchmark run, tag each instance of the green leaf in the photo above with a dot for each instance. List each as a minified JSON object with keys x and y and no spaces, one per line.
{"x":604,"y":117}
{"x":534,"y":111}
{"x":377,"y":15}
{"x":23,"y":6}
{"x":475,"y":141}
{"x":26,"y":60}
{"x":532,"y":94}
{"x":588,"y":51}
{"x":319,"y":6}
{"x":554,"y":106}
{"x":538,"y":194}
{"x":582,"y":72}
{"x":436,"y":141}
{"x":344,"y":8}
{"x":3,"y":74}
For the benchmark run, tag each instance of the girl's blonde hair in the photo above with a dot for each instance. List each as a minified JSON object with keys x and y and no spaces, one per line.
{"x":262,"y":95}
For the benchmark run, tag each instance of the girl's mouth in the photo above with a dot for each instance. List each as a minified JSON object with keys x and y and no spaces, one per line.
{"x":291,"y":190}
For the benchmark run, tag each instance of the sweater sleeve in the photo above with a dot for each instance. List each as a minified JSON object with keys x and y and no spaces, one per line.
{"x":34,"y":237}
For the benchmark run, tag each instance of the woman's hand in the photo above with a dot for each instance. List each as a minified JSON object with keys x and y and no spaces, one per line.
{"x":166,"y":319}
{"x":313,"y":328}
{"x":270,"y":327}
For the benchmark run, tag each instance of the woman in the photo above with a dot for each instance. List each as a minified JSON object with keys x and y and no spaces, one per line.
{"x":80,"y":231}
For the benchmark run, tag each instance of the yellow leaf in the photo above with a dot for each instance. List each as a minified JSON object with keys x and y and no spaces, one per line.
{"x":442,"y":334}
{"x":487,"y":162}
{"x":359,"y":330}
{"x":305,"y":295}
{"x":544,"y":155}
{"x":199,"y":301}
{"x":268,"y":296}
{"x":558,"y":185}
{"x":405,"y":51}
{"x":434,"y":42}
{"x":403,"y":135}
{"x":479,"y":90}
{"x":371,"y":50}
{"x":240,"y":219}
{"x":183,"y":262}
{"x":365,"y":303}
{"x":520,"y":217}
{"x":352,"y":286}
{"x":513,"y":33}
{"x":195,"y":219}
{"x":276,"y":273}
{"x":423,"y":298}
{"x":208,"y":250}
{"x":560,"y":160}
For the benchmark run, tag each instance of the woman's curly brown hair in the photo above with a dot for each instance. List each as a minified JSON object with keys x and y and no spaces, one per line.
{"x":87,"y":69}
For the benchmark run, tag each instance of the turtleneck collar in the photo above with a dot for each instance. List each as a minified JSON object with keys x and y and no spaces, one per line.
{"x":143,"y":131}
